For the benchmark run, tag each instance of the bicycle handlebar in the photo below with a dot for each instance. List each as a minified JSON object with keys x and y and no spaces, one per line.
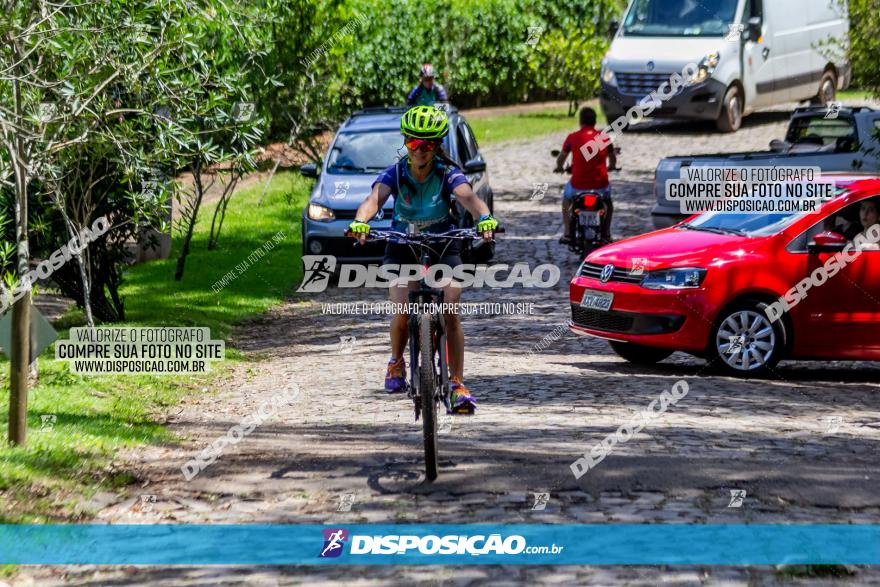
{"x":456,"y":233}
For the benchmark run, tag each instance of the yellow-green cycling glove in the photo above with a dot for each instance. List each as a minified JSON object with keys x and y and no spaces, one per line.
{"x":486,"y":222}
{"x":359,"y":227}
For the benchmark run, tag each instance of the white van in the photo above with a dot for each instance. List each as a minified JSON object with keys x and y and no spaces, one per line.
{"x":751,"y":54}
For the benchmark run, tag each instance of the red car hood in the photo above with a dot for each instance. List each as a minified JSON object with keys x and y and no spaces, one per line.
{"x":676,"y":248}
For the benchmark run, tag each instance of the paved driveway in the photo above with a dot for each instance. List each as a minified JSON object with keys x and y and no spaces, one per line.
{"x":802,"y":447}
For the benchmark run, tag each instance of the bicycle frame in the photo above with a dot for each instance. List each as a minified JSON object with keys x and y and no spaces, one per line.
{"x":428,"y":369}
{"x":427,"y":295}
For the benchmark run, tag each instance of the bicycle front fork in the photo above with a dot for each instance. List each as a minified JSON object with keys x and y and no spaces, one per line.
{"x":426,"y":296}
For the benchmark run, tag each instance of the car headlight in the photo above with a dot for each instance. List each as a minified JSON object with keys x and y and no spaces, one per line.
{"x":608,"y":76}
{"x":686,"y":278}
{"x":706,"y":68}
{"x":318,"y":212}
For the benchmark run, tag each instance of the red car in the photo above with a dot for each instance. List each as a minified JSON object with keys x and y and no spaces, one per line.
{"x":704,"y":287}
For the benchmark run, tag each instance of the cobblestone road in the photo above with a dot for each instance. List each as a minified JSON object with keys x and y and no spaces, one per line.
{"x":802,"y":447}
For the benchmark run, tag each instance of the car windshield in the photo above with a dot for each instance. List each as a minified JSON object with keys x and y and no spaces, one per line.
{"x":747,"y":224}
{"x":365,"y":151}
{"x":359,"y":152}
{"x":742,"y":224}
{"x":680,"y":18}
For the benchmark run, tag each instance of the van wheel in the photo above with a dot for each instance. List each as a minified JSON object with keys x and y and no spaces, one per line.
{"x":639,"y":354}
{"x":731,"y":115}
{"x":745,"y":343}
{"x":827,"y":90}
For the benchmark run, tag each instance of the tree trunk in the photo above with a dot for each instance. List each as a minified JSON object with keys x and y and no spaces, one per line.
{"x":184,"y":250}
{"x":213,"y":237}
{"x":19,"y":356}
{"x":19,"y":370}
{"x":68,"y":279}
{"x":85,"y":282}
{"x":268,"y":181}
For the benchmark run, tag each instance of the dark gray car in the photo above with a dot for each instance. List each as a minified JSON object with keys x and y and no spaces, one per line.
{"x":367,"y":143}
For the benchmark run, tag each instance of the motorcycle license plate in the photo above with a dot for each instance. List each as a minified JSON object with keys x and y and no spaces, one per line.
{"x":589,"y":220}
{"x":597,"y":300}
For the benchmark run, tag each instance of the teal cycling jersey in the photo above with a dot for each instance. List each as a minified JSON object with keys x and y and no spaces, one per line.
{"x":426,"y":204}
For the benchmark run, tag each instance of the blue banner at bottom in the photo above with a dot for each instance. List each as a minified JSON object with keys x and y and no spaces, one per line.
{"x":431,"y":544}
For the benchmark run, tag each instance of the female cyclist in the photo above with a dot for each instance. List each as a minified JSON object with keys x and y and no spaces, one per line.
{"x":422,"y":183}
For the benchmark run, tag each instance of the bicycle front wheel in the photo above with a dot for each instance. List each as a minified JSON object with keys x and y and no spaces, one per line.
{"x":426,"y":389}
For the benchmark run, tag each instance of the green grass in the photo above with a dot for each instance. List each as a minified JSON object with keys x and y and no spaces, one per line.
{"x":854,"y":95}
{"x":153,"y":297}
{"x":96,"y":417}
{"x":524,"y":125}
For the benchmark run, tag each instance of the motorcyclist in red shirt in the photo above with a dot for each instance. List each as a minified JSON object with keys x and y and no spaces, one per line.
{"x":586,"y":174}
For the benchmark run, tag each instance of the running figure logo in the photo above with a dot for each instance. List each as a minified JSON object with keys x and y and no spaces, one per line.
{"x":334,"y":540}
{"x":737,"y":344}
{"x":539,"y":191}
{"x":318,"y":269}
{"x":638,"y":266}
{"x":541,"y":501}
{"x":833,"y":110}
{"x":737,"y":496}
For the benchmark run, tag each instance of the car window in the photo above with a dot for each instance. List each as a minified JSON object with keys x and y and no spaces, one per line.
{"x":845,"y":222}
{"x":464,"y":152}
{"x":754,"y":8}
{"x":471,"y":141}
{"x":823,"y":132}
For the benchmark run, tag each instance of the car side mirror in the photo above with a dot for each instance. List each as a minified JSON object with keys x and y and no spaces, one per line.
{"x":777,"y":145}
{"x":613,"y":27}
{"x":309,"y":170}
{"x":475,"y":166}
{"x":753,"y":29}
{"x":827,"y":242}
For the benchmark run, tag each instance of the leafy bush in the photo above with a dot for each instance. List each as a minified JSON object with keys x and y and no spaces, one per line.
{"x":865,"y":44}
{"x":479,"y":48}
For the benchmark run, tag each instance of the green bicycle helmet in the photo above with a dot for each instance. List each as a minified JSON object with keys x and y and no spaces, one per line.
{"x":424,"y":122}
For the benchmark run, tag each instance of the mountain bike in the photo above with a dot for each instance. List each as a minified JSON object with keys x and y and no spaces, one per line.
{"x":429,"y":376}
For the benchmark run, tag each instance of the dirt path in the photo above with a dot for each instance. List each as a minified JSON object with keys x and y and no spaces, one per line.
{"x":342,"y":440}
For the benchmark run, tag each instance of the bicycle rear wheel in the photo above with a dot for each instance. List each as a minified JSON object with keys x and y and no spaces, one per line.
{"x":426,"y":389}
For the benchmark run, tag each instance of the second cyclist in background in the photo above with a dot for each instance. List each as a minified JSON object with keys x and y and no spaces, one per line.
{"x":428,"y":91}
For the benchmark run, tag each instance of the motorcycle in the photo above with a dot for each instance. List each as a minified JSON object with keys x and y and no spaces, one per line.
{"x":589,"y":211}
